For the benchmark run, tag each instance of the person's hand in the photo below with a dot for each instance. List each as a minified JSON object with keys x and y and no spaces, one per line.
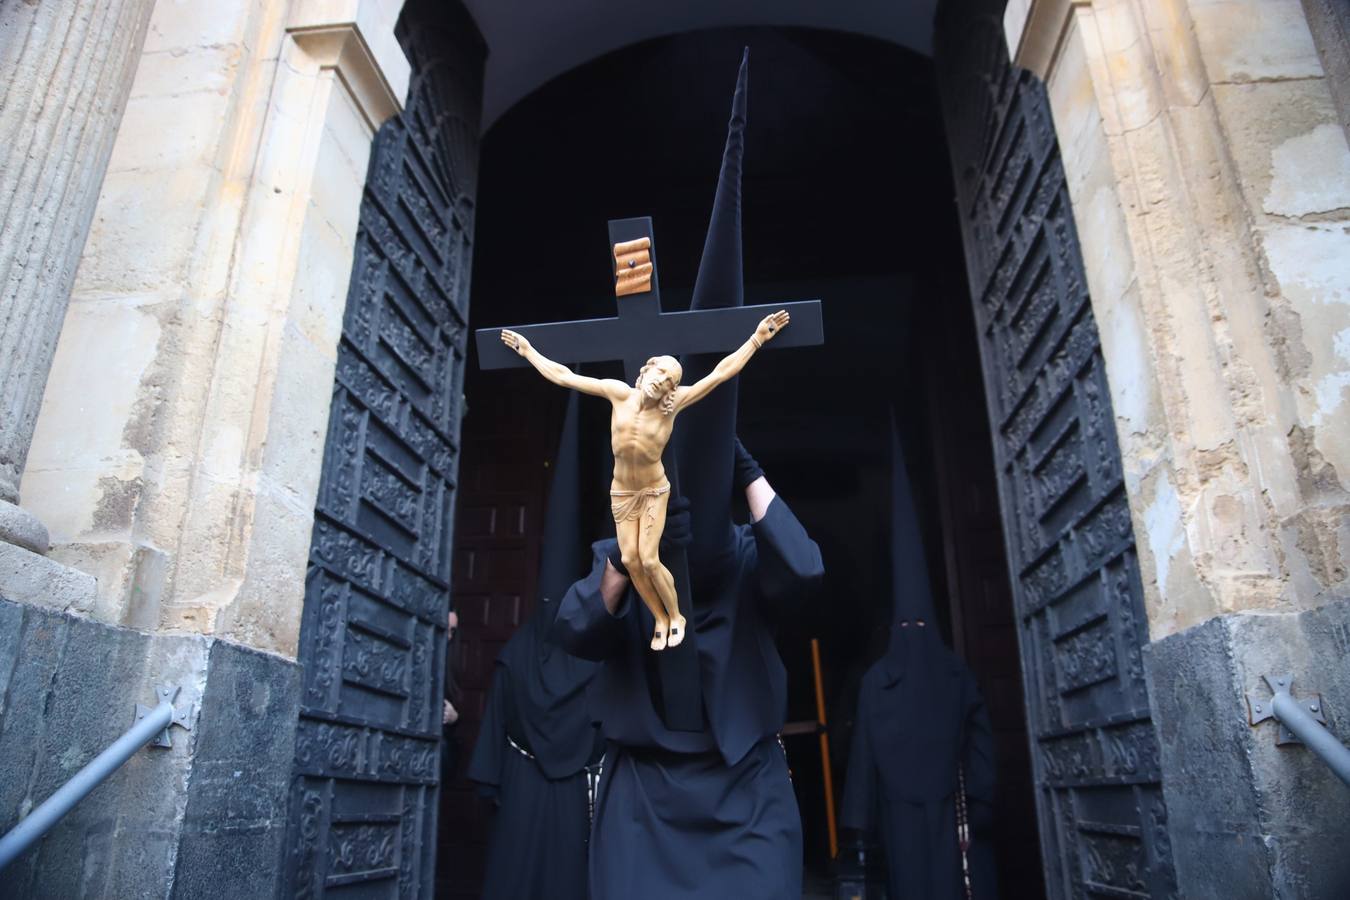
{"x":449,"y":715}
{"x":746,"y":470}
{"x":516,"y":342}
{"x":678,"y":532}
{"x":770,"y":325}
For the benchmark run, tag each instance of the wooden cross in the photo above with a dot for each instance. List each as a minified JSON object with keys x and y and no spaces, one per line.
{"x":640,"y":331}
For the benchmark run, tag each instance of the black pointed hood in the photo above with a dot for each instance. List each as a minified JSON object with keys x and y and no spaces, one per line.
{"x":705,"y":436}
{"x":564,"y":551}
{"x":720,"y":279}
{"x":911,"y":591}
{"x":915,"y":651}
{"x":548,"y":686}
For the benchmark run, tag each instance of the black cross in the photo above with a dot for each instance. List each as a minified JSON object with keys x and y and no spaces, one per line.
{"x":640,"y":331}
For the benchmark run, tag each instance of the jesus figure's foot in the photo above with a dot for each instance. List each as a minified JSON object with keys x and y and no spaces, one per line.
{"x":677,"y":626}
{"x":659,"y":639}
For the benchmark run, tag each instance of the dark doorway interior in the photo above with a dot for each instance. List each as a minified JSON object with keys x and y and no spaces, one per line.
{"x":847,"y":197}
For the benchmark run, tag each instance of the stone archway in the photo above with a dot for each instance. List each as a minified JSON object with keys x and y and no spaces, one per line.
{"x":364,"y":793}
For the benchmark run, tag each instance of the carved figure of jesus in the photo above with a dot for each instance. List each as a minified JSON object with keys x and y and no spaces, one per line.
{"x":640,"y":426}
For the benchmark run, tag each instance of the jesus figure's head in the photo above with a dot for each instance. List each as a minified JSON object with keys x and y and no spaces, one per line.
{"x":658,"y":379}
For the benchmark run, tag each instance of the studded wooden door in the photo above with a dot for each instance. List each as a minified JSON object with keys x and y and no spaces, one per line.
{"x":1070,"y":544}
{"x":362,"y":819}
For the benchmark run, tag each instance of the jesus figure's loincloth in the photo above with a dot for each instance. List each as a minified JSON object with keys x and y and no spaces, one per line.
{"x":628,"y":505}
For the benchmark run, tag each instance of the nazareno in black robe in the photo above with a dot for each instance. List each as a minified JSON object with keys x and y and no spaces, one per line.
{"x":538,"y":745}
{"x":711,"y":813}
{"x":920,"y":717}
{"x":698,"y":814}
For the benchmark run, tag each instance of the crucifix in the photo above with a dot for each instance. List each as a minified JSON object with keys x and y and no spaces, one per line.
{"x":639,"y":335}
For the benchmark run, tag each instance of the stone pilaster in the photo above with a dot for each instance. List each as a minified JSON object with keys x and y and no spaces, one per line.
{"x":65,"y":72}
{"x":210,"y":302}
{"x":1210,"y":181}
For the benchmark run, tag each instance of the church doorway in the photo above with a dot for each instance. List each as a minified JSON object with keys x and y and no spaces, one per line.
{"x":848,"y":198}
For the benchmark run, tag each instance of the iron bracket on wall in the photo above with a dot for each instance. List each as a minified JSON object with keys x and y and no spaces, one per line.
{"x":1301,"y":722}
{"x":182,"y":715}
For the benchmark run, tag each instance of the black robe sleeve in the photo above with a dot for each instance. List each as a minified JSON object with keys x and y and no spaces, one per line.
{"x":485,"y":767}
{"x":858,"y":810}
{"x":788,"y":565}
{"x":584,"y":627}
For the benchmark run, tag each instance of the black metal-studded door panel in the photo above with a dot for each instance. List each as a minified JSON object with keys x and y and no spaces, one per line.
{"x":372,"y":645}
{"x":1071,"y":551}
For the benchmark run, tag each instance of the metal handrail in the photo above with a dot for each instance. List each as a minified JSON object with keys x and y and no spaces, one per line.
{"x":151,"y":725}
{"x":1309,"y":731}
{"x":1300,"y":720}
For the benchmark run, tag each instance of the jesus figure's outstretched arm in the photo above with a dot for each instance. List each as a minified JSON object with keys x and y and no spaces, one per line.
{"x":560,"y":374}
{"x":731,"y":365}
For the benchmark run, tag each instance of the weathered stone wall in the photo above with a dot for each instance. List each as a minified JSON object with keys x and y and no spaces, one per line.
{"x":178,"y":450}
{"x":1210,"y":177}
{"x":204,"y":818}
{"x":1250,"y":819}
{"x":1211,"y":187}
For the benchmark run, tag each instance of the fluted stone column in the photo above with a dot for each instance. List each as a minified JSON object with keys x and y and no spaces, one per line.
{"x":66,"y":68}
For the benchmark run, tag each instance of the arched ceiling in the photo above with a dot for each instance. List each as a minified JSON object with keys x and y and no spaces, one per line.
{"x":532,"y":41}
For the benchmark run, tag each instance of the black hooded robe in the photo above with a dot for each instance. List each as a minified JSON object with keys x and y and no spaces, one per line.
{"x":538,"y":746}
{"x":902,"y":773}
{"x":537,"y":839}
{"x":921,"y":725}
{"x":698,"y":814}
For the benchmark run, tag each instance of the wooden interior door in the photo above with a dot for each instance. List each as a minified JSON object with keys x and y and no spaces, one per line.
{"x":510,"y":435}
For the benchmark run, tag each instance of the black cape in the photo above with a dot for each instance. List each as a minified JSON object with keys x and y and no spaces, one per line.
{"x":537,"y":737}
{"x":711,"y":813}
{"x":920,"y":721}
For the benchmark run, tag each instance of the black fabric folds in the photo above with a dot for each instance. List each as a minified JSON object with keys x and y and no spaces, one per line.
{"x":536,"y":847}
{"x":687,"y":827}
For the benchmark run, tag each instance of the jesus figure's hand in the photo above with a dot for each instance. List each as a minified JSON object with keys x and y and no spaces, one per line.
{"x":771,"y":325}
{"x":518,"y":342}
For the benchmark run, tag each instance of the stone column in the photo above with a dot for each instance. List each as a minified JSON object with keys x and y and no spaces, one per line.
{"x":65,"y":72}
{"x":1210,"y":179}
